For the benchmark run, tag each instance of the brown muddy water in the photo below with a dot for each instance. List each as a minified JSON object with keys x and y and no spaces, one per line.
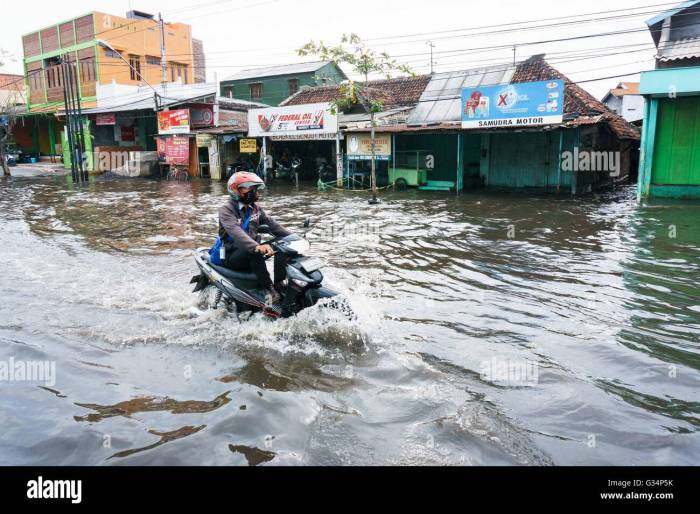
{"x":591,"y":306}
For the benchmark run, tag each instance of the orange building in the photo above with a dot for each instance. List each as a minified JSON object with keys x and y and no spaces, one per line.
{"x":136,"y":38}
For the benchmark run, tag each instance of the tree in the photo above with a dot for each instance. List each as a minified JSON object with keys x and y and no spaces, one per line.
{"x":364,"y":61}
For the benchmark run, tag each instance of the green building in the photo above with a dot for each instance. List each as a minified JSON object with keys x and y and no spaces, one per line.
{"x":670,"y":156}
{"x":274,"y":84}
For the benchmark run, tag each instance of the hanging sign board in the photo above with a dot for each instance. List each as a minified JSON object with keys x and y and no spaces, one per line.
{"x":359,"y":146}
{"x":204,"y":139}
{"x":106,"y":119}
{"x":174,"y":122}
{"x":177,"y":150}
{"x":248,"y":146}
{"x":202,"y":116}
{"x":128,"y":134}
{"x":513,"y":105}
{"x":307,"y":121}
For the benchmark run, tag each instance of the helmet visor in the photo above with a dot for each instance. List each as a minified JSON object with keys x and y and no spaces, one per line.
{"x":256,"y":185}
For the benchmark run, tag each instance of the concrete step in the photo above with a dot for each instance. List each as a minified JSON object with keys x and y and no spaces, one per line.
{"x":437,"y":185}
{"x":435,"y":188}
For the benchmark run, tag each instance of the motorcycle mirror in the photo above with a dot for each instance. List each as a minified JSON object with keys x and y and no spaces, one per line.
{"x":264,"y":229}
{"x":307,"y":222}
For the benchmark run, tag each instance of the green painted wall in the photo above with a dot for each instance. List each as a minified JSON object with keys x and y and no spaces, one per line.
{"x":676,"y":159}
{"x":276,"y":89}
{"x":443,"y":148}
{"x":527,"y":160}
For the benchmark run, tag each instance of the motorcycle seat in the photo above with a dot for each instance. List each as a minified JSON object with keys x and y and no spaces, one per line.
{"x":238,"y":276}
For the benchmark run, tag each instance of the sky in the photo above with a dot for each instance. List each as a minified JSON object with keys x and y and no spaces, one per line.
{"x":240,"y":34}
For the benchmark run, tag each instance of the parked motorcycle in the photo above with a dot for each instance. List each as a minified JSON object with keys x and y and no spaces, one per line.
{"x":288,"y":171}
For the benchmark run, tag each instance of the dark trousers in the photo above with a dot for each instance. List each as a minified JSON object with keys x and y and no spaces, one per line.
{"x":239,"y":259}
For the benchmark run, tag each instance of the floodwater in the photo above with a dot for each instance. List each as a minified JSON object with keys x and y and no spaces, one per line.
{"x":492,"y":329}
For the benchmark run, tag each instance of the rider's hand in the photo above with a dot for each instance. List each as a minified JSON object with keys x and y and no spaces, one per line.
{"x":266,"y":250}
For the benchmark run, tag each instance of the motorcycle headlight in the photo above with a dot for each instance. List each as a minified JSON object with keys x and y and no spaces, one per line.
{"x":300,"y":246}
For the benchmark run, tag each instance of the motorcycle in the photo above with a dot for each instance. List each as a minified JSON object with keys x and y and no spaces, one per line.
{"x":235,"y":168}
{"x":239,"y":290}
{"x":290,"y":172}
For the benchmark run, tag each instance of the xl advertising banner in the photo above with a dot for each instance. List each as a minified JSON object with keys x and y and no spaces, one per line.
{"x":309,"y":121}
{"x":174,"y":122}
{"x":513,"y":105}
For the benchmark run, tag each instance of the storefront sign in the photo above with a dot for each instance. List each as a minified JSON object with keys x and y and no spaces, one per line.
{"x":513,"y":105}
{"x":233,"y":119}
{"x":174,"y":122}
{"x":202,"y":116}
{"x":248,"y":146}
{"x":106,"y":119}
{"x":293,"y":122}
{"x":177,"y":150}
{"x":204,"y":139}
{"x":359,"y":146}
{"x":128,"y":134}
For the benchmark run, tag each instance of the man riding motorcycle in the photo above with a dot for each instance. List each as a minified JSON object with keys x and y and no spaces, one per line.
{"x":238,"y":245}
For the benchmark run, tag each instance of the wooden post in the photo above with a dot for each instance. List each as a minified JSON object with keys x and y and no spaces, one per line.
{"x":460,"y":164}
{"x":264,"y":157}
{"x":338,"y":161}
{"x":561,"y":149}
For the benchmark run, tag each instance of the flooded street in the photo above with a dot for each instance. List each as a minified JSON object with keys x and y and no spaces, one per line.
{"x":598,"y":297}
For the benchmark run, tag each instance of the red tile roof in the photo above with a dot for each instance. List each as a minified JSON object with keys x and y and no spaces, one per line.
{"x":580,"y":107}
{"x":578,"y":101}
{"x":396,"y":92}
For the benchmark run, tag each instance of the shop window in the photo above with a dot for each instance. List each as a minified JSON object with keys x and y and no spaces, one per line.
{"x":53,"y":73}
{"x":87,"y":70}
{"x":256,"y":90}
{"x":111,"y":54}
{"x":135,"y":69}
{"x":293,"y":86}
{"x":178,"y":71}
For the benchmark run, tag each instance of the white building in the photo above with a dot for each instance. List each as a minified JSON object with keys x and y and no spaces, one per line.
{"x":626,"y":101}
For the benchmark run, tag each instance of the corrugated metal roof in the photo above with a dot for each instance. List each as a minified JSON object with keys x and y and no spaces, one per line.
{"x":680,"y":49}
{"x":143,"y":99}
{"x":675,"y":10}
{"x":272,"y":71}
{"x":442,"y":98}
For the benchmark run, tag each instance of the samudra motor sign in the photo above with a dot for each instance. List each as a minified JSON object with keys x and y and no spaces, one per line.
{"x":513,"y":105}
{"x":308,"y":121}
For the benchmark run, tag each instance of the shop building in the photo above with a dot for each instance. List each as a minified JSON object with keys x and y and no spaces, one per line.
{"x":670,"y":157}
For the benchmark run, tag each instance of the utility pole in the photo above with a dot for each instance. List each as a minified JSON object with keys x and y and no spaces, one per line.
{"x":163,"y":64}
{"x":431,"y":45}
{"x":514,"y":50}
{"x":74,"y":123}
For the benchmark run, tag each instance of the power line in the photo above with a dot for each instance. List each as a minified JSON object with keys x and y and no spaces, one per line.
{"x":529,"y":21}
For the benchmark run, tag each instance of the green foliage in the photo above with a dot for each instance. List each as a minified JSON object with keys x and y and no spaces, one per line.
{"x":363,"y":60}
